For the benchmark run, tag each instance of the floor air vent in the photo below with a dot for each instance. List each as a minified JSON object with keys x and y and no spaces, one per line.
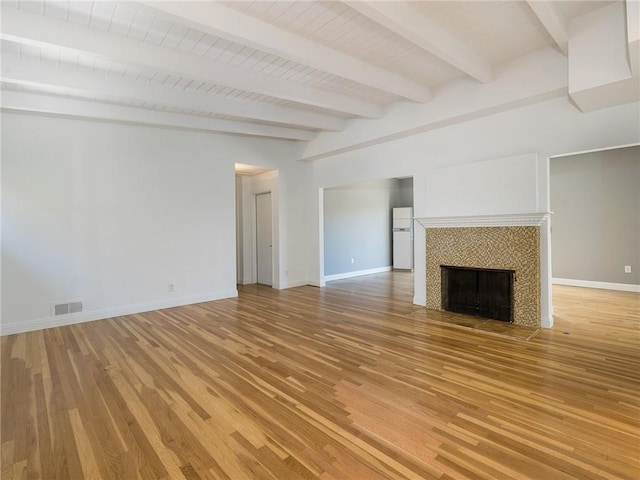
{"x":66,"y":308}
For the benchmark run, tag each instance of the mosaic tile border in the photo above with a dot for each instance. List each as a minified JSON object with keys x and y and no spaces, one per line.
{"x":509,"y":248}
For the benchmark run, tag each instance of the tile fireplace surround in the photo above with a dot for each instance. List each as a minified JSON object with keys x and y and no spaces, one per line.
{"x":500,"y":242}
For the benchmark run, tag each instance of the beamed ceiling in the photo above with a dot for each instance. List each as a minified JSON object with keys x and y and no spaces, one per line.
{"x":279,"y":69}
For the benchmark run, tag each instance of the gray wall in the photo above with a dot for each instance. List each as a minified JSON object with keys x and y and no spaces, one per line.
{"x":357,"y":224}
{"x":595,"y":198}
{"x":405,"y":194}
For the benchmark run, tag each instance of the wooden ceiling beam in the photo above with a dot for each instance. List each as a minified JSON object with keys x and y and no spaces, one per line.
{"x":85,"y":83}
{"x":553,"y":22}
{"x":31,"y":29}
{"x":72,"y":108}
{"x":224,"y":22}
{"x":403,"y":19}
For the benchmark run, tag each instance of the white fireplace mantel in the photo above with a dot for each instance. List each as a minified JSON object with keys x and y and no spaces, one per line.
{"x":506,"y":220}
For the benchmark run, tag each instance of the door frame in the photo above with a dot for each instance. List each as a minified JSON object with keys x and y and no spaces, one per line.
{"x":252,"y":185}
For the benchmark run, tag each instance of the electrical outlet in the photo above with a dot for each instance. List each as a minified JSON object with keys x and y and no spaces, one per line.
{"x":170,"y":287}
{"x":352,"y":261}
{"x":627,"y":269}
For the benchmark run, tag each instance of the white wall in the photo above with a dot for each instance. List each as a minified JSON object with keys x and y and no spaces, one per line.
{"x":239,"y":232}
{"x":495,"y":186}
{"x":518,"y":141}
{"x":111,"y":214}
{"x":294,"y":181}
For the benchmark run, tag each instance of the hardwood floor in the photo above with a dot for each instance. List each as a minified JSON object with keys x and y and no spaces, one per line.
{"x":345,"y":382}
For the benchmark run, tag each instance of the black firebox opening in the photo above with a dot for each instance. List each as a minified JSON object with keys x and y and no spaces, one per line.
{"x":481,"y":292}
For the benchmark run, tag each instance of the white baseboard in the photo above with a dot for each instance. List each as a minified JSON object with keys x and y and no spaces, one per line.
{"x":62,"y":320}
{"x":358,"y":273}
{"x":623,"y":287}
{"x":292,"y":284}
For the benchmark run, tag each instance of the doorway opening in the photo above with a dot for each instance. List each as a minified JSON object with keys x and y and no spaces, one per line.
{"x":257,"y":225}
{"x":595,"y":197}
{"x":356,"y":231}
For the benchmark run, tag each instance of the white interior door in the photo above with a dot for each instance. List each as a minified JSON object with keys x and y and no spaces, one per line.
{"x":264,"y":239}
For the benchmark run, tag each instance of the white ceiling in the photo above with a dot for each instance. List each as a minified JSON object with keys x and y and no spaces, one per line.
{"x":274,"y":69}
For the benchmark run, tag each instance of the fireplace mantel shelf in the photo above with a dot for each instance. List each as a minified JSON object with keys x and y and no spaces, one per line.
{"x":507,"y":220}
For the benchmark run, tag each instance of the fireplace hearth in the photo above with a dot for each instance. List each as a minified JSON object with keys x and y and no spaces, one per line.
{"x":483,"y":292}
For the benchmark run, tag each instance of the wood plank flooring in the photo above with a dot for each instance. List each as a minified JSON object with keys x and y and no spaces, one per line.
{"x":345,"y":382}
{"x":491,"y":327}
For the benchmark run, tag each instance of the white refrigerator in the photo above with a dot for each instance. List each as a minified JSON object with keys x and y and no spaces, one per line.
{"x":402,"y":238}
